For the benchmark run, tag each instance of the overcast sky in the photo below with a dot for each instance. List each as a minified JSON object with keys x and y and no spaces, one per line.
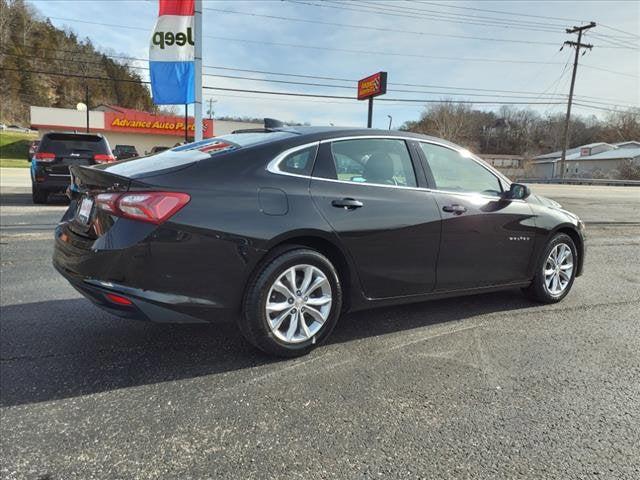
{"x":401,"y":39}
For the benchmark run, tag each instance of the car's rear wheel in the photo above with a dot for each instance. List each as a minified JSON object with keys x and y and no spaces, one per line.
{"x":555,"y":272}
{"x":38,"y":195}
{"x":292,"y":304}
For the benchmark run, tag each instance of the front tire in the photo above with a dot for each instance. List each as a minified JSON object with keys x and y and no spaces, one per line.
{"x":555,"y":271}
{"x":38,"y":196}
{"x":292,"y":303}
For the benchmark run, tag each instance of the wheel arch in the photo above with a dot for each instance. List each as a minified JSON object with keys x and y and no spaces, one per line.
{"x":327,"y":246}
{"x":578,"y":241}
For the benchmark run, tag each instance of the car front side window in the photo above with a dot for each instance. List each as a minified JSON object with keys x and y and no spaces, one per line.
{"x":379,"y":161}
{"x":455,"y":172}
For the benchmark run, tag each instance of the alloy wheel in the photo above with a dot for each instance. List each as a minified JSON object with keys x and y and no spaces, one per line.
{"x":298,"y":303}
{"x":558,"y":269}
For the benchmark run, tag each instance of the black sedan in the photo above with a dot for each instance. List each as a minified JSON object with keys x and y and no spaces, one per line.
{"x":284,"y":229}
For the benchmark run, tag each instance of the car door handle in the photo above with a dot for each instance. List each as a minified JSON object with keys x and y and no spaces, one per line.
{"x":456,"y":209}
{"x":347,"y":203}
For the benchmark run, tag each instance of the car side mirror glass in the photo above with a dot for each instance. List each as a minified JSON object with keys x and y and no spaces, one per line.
{"x":518,"y":191}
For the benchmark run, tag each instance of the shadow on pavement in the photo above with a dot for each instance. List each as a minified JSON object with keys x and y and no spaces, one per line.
{"x":24,"y":199}
{"x":65,"y":348}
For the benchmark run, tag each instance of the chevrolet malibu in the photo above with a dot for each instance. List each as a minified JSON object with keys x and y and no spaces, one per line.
{"x":284,"y":229}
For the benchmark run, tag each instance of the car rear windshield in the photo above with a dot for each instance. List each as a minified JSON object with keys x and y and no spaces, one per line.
{"x":193,"y":152}
{"x":67,"y":143}
{"x":237,"y":140}
{"x":126,"y":148}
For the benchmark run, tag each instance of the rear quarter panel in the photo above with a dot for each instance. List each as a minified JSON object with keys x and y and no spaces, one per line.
{"x":215,"y":242}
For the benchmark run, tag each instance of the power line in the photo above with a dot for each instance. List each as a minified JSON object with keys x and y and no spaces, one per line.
{"x":377,"y":29}
{"x":457,"y":15}
{"x":293,"y":94}
{"x":347,"y":50}
{"x":502,"y":12}
{"x":624,"y":74}
{"x":393,"y":12}
{"x":388,"y":101}
{"x":635,"y":35}
{"x":465,"y":90}
{"x":596,"y":107}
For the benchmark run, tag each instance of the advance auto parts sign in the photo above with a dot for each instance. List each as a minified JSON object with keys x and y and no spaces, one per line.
{"x":372,"y":86}
{"x":154,"y":124}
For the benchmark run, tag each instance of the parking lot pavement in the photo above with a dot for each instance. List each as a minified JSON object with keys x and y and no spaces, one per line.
{"x":490,"y":386}
{"x":14,"y":178}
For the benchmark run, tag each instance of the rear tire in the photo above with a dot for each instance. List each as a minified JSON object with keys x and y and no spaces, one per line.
{"x":290,"y":320}
{"x":38,"y":196}
{"x":555,"y":271}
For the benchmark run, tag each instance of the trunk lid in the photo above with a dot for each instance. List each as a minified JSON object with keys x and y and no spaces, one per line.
{"x":83,"y":217}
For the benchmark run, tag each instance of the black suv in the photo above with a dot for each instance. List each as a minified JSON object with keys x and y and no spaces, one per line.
{"x":56,"y":153}
{"x":122,"y":152}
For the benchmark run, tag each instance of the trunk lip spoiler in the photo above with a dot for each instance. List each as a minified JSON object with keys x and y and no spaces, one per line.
{"x":120,"y":183}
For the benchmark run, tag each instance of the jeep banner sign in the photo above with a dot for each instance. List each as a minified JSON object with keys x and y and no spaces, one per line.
{"x":171,"y":54}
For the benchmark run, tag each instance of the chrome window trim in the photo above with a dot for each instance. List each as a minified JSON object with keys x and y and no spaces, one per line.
{"x":273,"y":166}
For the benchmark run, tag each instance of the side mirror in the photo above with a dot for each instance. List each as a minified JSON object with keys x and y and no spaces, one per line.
{"x":518,"y":192}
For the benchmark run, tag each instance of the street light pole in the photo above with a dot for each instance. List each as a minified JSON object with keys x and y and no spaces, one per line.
{"x":86,"y":102}
{"x":390,"y":120}
{"x":186,"y":123}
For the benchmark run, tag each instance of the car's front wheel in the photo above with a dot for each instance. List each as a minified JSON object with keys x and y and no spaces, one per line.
{"x":555,"y":272}
{"x":292,"y":303}
{"x":38,"y":195}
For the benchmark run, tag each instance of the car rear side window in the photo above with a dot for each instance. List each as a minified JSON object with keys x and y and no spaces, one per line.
{"x":67,"y":143}
{"x":455,"y":172}
{"x":380,"y":161}
{"x":300,"y":162}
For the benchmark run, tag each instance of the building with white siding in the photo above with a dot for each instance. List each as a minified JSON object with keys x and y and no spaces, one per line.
{"x":595,"y":160}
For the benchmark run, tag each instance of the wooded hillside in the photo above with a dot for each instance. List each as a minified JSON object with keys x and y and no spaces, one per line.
{"x":521,"y":131}
{"x":30,"y":44}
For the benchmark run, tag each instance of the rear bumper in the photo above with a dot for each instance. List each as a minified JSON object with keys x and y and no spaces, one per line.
{"x":53,"y":183}
{"x":159,"y":290}
{"x":145,"y":305}
{"x":48,"y":181}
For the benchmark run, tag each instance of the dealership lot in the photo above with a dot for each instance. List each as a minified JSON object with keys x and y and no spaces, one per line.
{"x":491,"y":386}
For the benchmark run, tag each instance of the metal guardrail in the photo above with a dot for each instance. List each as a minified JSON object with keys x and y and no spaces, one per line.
{"x":582,"y":181}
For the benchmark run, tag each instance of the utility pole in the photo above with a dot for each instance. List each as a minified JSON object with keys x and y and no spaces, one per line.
{"x":211,"y":102}
{"x":577,"y":45}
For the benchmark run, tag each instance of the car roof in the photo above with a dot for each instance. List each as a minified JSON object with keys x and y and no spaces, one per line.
{"x":310,"y":134}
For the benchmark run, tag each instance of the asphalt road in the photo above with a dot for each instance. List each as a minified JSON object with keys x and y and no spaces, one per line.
{"x":490,"y":386}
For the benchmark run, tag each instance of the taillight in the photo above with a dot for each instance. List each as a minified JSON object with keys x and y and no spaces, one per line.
{"x":45,"y":156}
{"x":103,"y":158}
{"x":107,"y":202}
{"x":152,"y":207}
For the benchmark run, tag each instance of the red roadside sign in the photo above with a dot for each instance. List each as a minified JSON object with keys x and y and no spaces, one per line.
{"x":372,"y":86}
